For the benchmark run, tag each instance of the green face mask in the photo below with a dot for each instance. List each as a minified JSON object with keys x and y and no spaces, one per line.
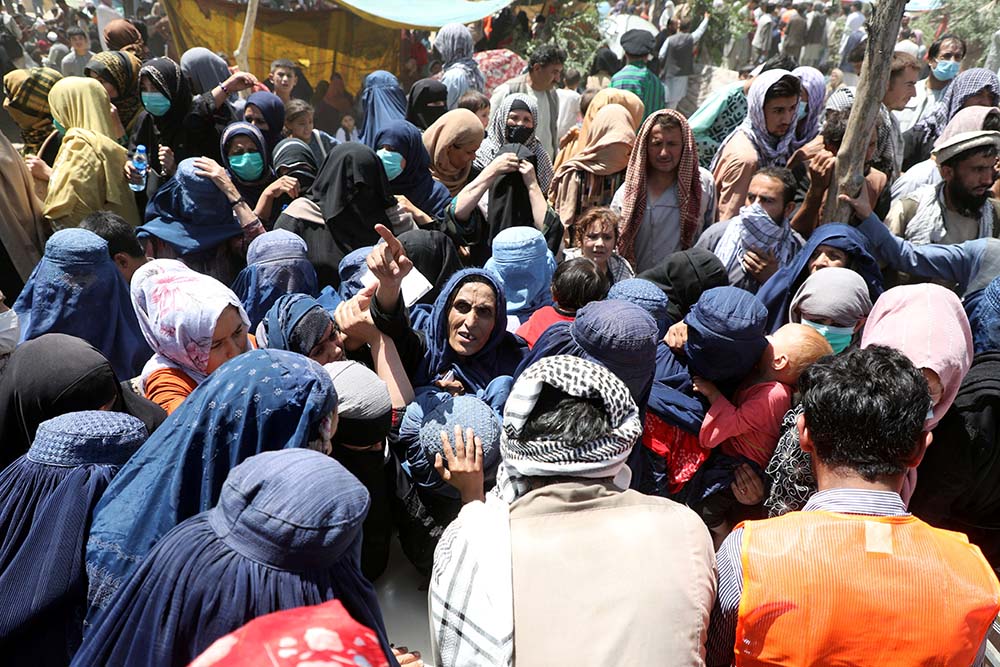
{"x":59,"y":127}
{"x":838,"y":337}
{"x":248,"y":166}
{"x":157,"y":104}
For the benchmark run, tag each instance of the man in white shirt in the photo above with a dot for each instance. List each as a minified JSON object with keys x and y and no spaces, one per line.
{"x":944,"y":57}
{"x":106,"y":13}
{"x":569,"y":103}
{"x":993,"y":55}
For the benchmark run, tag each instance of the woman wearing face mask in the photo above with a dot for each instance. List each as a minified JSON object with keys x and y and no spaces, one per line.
{"x":836,"y":303}
{"x":178,"y":125}
{"x":452,"y":141}
{"x":88,"y":172}
{"x":118,"y":72}
{"x":407,"y":166}
{"x":247,"y":159}
{"x":428,"y":101}
{"x":810,"y":114}
{"x":266,"y":112}
{"x":514,"y":169}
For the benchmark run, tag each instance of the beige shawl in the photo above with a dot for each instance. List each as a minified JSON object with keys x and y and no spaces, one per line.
{"x":22,"y":231}
{"x":625,"y":98}
{"x":457,"y":127}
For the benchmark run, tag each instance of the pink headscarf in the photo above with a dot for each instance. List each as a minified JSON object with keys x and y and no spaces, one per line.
{"x":927,"y":323}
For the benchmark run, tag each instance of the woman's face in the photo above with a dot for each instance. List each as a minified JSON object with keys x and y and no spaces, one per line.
{"x":598,"y":243}
{"x":347,"y":122}
{"x":520,"y":117}
{"x":471,"y":318}
{"x":331,"y":348}
{"x":146,"y":85}
{"x":301,"y":128}
{"x":241,"y":144}
{"x":229,"y":339}
{"x":826,"y":256}
{"x":108,"y":86}
{"x":984,"y":98}
{"x":461,"y":155}
{"x":255,"y":117}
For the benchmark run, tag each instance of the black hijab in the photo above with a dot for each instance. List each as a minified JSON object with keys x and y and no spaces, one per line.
{"x":293,"y":157}
{"x":422,"y":93}
{"x":167,"y":77}
{"x":55,"y":374}
{"x":683,"y":276}
{"x":509,"y":205}
{"x":353,"y":193}
{"x":959,"y":477}
{"x":434,"y":255}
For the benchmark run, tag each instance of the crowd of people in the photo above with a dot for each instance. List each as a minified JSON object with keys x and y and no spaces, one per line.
{"x":520,"y":322}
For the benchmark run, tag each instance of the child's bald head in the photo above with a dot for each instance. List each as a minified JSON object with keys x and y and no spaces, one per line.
{"x":792,"y":349}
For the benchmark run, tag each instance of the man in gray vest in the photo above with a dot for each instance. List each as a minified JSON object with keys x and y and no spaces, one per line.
{"x":815,"y":42}
{"x":677,"y":56}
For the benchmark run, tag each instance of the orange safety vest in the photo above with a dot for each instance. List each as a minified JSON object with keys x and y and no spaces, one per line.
{"x":821,"y":588}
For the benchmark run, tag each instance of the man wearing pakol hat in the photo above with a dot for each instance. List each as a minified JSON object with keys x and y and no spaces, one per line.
{"x":960,"y":208}
{"x":636,"y":77}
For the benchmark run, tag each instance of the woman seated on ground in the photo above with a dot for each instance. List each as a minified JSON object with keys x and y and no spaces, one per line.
{"x":525,"y":267}
{"x":194,"y":324}
{"x":594,"y":235}
{"x":277,"y":264}
{"x":452,"y":141}
{"x":75,"y":280}
{"x":463,"y":345}
{"x":407,"y":166}
{"x":89,"y":172}
{"x":247,"y":158}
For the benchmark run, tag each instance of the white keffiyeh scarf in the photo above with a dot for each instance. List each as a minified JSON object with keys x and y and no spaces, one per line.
{"x":755,"y":230}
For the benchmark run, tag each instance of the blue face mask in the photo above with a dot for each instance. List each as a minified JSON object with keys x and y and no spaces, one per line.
{"x":392,"y":161}
{"x":60,"y":128}
{"x":248,"y":166}
{"x":157,"y":104}
{"x":838,"y":337}
{"x":803,"y":110}
{"x":946,"y":70}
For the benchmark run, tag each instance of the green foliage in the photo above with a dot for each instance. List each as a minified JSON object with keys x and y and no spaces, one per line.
{"x":575,"y":33}
{"x":973,"y":20}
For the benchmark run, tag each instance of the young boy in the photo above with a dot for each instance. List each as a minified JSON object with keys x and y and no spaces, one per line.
{"x":575,"y":283}
{"x":284,"y":79}
{"x":299,"y":124}
{"x":76,"y":60}
{"x":746,"y":430}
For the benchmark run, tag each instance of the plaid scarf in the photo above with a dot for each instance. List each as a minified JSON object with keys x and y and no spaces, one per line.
{"x":27,"y":102}
{"x":688,"y":187}
{"x":965,"y":85}
{"x":121,"y":69}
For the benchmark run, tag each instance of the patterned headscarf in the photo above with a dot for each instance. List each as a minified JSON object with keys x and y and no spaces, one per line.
{"x":602,"y":457}
{"x":688,"y":186}
{"x":178,"y":309}
{"x":770,"y":152}
{"x":121,"y":35}
{"x":496,"y":137}
{"x":965,"y":85}
{"x":26,"y":99}
{"x":814,"y":84}
{"x":120,"y":69}
{"x":755,"y":229}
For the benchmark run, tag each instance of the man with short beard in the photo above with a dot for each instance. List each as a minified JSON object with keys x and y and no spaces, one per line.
{"x":960,"y":208}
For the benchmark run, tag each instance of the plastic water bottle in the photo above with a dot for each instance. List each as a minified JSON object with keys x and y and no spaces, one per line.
{"x":141,"y":163}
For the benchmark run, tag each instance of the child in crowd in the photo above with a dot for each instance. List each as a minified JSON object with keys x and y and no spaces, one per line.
{"x":575,"y":283}
{"x":594,"y":235}
{"x":299,"y":124}
{"x":478,"y":104}
{"x":284,"y":78}
{"x":348,"y":130}
{"x":746,"y":430}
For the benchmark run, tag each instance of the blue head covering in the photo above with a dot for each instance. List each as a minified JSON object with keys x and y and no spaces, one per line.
{"x":985,"y":319}
{"x":647,"y":296}
{"x":76,"y":290}
{"x":500,"y":356}
{"x":524,"y":264}
{"x":382,"y":101}
{"x":273,"y":110}
{"x":420,"y":431}
{"x":726,"y":334}
{"x":776,"y":294}
{"x":190,"y":213}
{"x":261,"y":400}
{"x":251,"y":191}
{"x":46,"y":498}
{"x":277,"y":264}
{"x":286,"y":532}
{"x":619,"y":335}
{"x":296,"y":322}
{"x":415,"y":182}
{"x":351,"y":268}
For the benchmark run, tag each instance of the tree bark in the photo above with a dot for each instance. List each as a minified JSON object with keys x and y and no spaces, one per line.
{"x":242,"y":59}
{"x":849,"y":174}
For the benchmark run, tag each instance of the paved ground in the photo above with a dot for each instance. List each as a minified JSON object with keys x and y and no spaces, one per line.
{"x":402,"y":594}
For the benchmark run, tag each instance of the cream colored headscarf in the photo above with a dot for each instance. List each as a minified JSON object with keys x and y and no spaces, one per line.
{"x":21,"y":228}
{"x":625,"y":98}
{"x":461,"y":127}
{"x":611,"y":138}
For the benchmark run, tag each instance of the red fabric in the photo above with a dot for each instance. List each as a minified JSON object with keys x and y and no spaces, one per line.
{"x":750,"y":428}
{"x":688,"y":187}
{"x":498,"y":66}
{"x":539,"y":321}
{"x":679,"y":449}
{"x":324,"y":634}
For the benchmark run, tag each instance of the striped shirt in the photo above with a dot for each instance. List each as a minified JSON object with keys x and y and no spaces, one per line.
{"x":639,"y":80}
{"x":729,"y":564}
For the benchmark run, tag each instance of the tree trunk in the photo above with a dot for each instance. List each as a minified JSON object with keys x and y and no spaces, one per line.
{"x":242,"y":61}
{"x":849,"y":174}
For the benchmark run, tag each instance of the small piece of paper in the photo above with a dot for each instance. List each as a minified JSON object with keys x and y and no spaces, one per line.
{"x":878,"y":537}
{"x":414,"y":285}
